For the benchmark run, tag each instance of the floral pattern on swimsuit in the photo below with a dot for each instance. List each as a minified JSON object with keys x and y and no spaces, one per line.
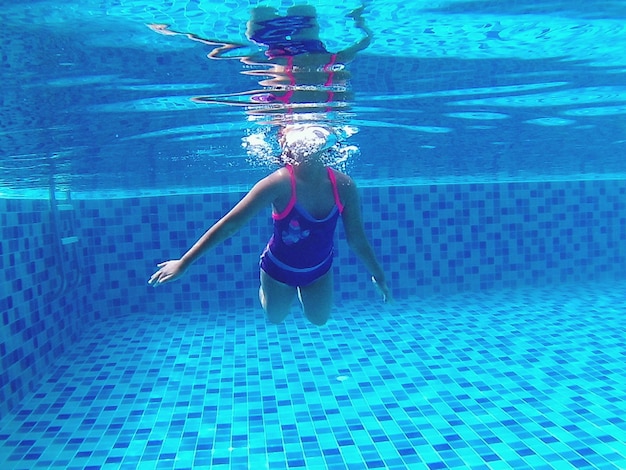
{"x":294,"y":233}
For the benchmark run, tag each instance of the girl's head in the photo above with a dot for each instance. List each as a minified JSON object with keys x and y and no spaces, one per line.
{"x":305,"y":142}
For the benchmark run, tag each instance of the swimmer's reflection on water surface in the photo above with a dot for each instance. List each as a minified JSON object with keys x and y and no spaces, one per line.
{"x":296,"y":72}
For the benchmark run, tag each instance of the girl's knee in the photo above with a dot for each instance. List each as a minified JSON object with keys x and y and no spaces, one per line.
{"x":276,"y":317}
{"x":318,"y":321}
{"x":318,"y":318}
{"x":276,"y":298}
{"x":317,"y":301}
{"x":275,"y":313}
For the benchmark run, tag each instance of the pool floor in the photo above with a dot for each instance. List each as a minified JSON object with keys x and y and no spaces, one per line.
{"x":532,"y":378}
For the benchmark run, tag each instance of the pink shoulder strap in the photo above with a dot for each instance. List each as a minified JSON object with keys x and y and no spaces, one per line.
{"x":328,"y":68}
{"x":292,"y":201}
{"x":333,"y":181}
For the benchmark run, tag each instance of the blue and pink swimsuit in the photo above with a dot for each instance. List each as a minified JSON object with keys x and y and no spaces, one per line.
{"x":301,"y":248}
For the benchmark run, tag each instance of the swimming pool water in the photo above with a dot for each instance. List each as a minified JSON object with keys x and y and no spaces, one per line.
{"x":436,"y":242}
{"x":531,"y":378}
{"x":491,"y":158}
{"x":450,"y":91}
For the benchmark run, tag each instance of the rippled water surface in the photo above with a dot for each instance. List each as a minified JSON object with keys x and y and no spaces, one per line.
{"x":122,"y":96}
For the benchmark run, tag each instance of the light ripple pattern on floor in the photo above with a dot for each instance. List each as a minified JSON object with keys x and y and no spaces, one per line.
{"x":508,"y":379}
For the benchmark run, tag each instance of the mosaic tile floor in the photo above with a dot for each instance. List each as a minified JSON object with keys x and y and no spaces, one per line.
{"x":520,"y":379}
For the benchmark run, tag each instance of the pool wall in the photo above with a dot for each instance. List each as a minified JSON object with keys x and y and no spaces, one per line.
{"x":430,"y":238}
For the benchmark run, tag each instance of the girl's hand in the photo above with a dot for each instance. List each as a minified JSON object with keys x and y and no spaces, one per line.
{"x":384,"y":290}
{"x":168,"y":271}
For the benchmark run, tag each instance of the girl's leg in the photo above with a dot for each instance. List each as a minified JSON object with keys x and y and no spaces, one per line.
{"x":317,"y":299}
{"x":276,"y":298}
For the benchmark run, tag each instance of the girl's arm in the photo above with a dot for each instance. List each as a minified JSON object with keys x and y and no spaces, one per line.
{"x":261,"y":195}
{"x":357,"y":239}
{"x":348,"y":54}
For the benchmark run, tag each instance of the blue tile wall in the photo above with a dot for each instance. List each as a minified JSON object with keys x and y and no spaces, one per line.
{"x":41,"y":315}
{"x":434,"y":239}
{"x":430,"y":239}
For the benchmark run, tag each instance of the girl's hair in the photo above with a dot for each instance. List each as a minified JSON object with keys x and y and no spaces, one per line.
{"x":307,"y":139}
